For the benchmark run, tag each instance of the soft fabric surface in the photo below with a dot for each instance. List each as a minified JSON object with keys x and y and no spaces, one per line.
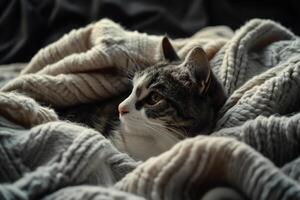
{"x":253,"y":149}
{"x":8,"y":72}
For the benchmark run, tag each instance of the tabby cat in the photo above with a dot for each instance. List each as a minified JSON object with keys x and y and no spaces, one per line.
{"x":169,"y":101}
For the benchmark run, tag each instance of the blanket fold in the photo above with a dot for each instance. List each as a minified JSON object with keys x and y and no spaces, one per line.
{"x":93,"y":63}
{"x":253,"y":149}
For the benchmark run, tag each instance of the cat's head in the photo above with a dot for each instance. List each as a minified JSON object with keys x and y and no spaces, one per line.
{"x":181,"y":96}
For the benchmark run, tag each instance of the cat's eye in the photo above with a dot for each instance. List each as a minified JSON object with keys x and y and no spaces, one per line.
{"x":153,"y":98}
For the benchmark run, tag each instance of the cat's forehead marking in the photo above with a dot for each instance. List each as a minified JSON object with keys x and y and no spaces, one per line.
{"x":157,"y":73}
{"x":139,"y":80}
{"x":140,"y":84}
{"x":138,"y":91}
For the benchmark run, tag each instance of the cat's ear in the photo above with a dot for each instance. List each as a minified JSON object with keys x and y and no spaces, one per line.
{"x":168,"y":50}
{"x":198,"y":67}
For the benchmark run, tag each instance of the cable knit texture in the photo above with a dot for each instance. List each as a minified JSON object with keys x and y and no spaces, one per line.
{"x":254,"y":147}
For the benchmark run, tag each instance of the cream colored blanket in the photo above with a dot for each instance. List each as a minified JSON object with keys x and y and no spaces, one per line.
{"x":254,"y":147}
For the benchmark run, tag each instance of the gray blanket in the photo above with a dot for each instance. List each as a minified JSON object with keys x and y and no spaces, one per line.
{"x":254,"y":147}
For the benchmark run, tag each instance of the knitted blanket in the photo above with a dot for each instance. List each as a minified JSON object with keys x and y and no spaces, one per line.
{"x":254,"y":147}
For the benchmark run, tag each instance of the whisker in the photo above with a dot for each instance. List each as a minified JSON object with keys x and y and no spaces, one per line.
{"x":157,"y":128}
{"x":178,"y":134}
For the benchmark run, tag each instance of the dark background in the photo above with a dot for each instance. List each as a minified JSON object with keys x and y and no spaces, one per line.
{"x":28,"y":25}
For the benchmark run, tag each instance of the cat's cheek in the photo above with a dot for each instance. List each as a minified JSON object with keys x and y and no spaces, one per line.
{"x":122,"y":120}
{"x":123,"y":124}
{"x":144,"y":113}
{"x":126,"y":129}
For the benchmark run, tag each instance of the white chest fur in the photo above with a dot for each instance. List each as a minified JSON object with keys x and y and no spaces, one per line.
{"x":144,"y":144}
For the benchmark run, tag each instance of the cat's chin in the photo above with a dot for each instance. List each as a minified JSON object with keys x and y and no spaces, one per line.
{"x":125,"y":128}
{"x":129,"y":130}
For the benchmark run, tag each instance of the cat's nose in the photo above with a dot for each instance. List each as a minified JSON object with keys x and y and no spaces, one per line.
{"x":122,"y":110}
